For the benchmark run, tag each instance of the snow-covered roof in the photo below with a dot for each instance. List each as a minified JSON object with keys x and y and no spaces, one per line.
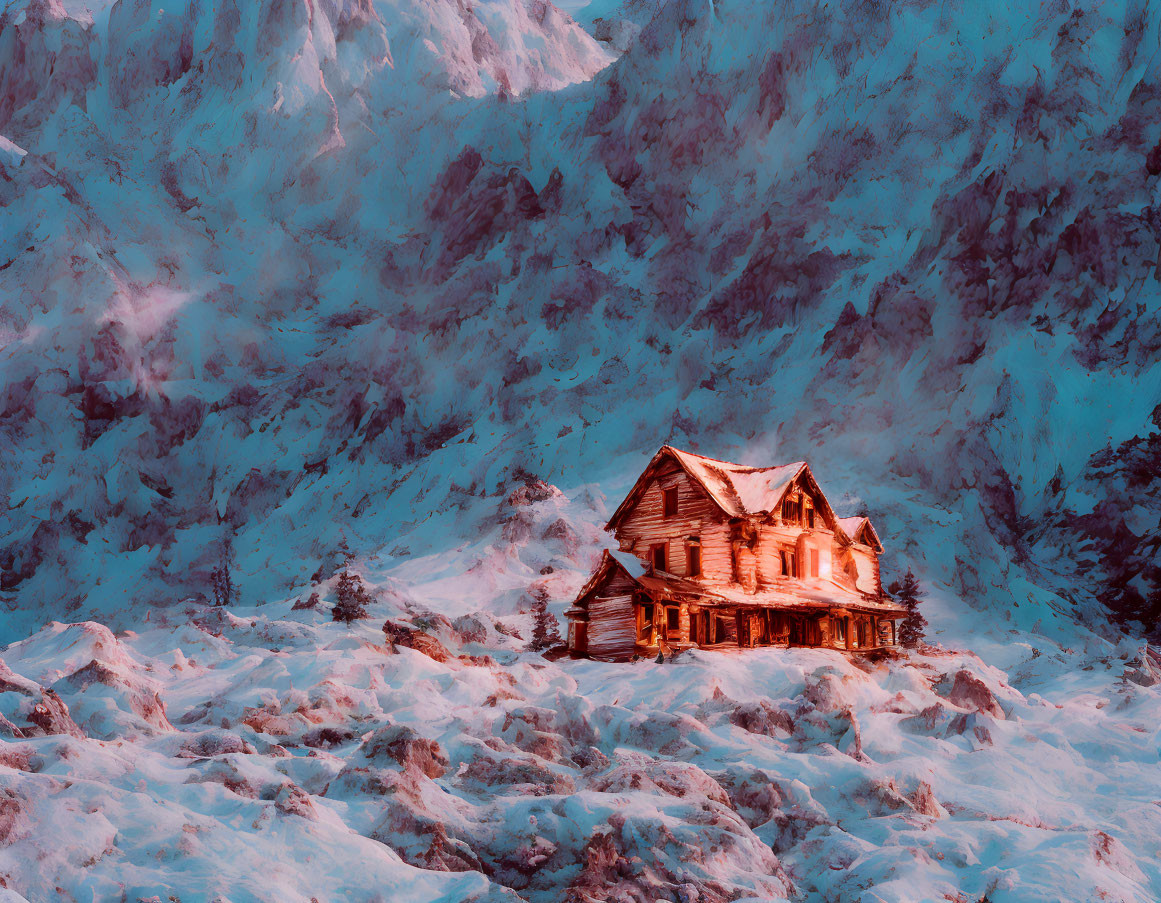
{"x":633,"y":565}
{"x":852,"y":525}
{"x":805,"y":594}
{"x":738,"y":489}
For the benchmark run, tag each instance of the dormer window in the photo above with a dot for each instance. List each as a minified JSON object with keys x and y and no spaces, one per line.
{"x":669,"y":502}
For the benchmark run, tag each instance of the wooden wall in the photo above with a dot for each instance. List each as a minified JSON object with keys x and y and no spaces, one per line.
{"x":645,"y":524}
{"x":867,"y":563}
{"x":774,"y":538}
{"x":612,"y":626}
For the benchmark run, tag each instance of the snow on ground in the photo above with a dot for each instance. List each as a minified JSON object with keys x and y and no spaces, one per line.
{"x":263,"y":752}
{"x":300,"y":759}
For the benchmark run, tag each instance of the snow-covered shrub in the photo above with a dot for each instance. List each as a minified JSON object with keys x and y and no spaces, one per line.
{"x":351,"y":598}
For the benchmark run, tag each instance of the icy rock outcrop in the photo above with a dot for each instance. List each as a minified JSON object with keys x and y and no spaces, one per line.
{"x":47,"y":57}
{"x":968,"y":691}
{"x":760,"y":717}
{"x":489,"y":773}
{"x":403,"y":745}
{"x":679,"y":779}
{"x":293,"y":800}
{"x":43,"y":710}
{"x":925,"y":802}
{"x":753,"y":795}
{"x":49,"y":716}
{"x":210,"y":744}
{"x":110,"y":697}
{"x":399,"y":634}
{"x":629,"y":857}
{"x":508,"y":48}
{"x":11,"y":682}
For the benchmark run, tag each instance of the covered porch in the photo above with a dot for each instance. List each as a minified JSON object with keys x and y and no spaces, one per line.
{"x":675,"y":624}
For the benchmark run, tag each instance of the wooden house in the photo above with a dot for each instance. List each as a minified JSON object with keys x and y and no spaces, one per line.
{"x":719,"y":555}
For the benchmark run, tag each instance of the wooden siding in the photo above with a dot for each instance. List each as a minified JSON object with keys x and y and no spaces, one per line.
{"x":867,"y":563}
{"x":612,"y":628}
{"x":772,"y":539}
{"x":645,"y":525}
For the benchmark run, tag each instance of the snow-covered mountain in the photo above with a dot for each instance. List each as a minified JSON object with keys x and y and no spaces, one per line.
{"x":300,"y":273}
{"x":289,"y":280}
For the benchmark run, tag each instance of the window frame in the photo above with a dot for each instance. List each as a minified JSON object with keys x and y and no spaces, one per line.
{"x":654,"y":549}
{"x":645,"y":621}
{"x":789,"y":562}
{"x":692,"y":552}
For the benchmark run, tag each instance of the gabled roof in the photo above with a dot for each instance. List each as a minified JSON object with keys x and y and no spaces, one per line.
{"x":853,"y":526}
{"x":737,"y":489}
{"x":631,"y":565}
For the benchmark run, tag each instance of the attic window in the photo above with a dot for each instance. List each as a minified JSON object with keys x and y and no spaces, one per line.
{"x":790,"y":511}
{"x":669,"y":502}
{"x":810,"y":517}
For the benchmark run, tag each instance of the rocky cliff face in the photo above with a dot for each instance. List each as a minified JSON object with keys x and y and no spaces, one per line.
{"x":329,"y":271}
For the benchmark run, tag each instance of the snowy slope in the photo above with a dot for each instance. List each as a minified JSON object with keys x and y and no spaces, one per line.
{"x":301,"y":759}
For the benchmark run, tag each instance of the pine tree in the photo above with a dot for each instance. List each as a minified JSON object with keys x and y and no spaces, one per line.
{"x":352,"y":599}
{"x":908,"y":594}
{"x":221,"y":581}
{"x":545,"y":634}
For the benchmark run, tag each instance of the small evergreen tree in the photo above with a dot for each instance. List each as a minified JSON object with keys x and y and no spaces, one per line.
{"x":221,"y":581}
{"x":352,"y":598}
{"x":908,"y":594}
{"x":545,"y":633}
